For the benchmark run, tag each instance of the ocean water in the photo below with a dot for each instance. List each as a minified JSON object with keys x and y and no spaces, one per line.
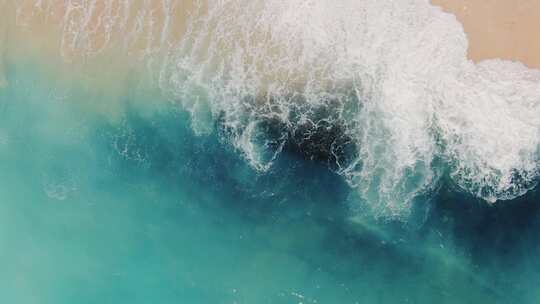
{"x":139,"y":209}
{"x":332,"y":163}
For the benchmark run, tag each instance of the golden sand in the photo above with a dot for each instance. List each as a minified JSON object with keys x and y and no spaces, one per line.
{"x":506,"y":29}
{"x":496,"y":28}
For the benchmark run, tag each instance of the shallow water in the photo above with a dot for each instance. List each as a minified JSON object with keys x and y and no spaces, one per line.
{"x":307,"y":154}
{"x":139,"y":209}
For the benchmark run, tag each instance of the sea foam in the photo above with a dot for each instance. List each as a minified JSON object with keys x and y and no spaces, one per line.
{"x":394,"y":75}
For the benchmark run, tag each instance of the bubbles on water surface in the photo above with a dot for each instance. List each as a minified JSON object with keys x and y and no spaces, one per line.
{"x":59,"y":188}
{"x":381,"y":88}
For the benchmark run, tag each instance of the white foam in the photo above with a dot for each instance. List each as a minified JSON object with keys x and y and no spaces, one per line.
{"x":419,"y":101}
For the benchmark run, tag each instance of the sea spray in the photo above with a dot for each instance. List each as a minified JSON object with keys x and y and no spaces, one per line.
{"x":393,"y":76}
{"x":124,"y":202}
{"x":420,"y":101}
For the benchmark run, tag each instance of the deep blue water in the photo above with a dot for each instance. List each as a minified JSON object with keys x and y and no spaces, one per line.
{"x":138,"y":209}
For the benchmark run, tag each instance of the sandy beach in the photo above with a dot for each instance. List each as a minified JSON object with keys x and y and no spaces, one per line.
{"x":499,"y":28}
{"x":495,"y":28}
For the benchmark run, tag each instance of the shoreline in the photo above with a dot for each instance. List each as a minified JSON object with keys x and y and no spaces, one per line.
{"x":494,"y":29}
{"x":499,"y":29}
{"x":395,"y":72}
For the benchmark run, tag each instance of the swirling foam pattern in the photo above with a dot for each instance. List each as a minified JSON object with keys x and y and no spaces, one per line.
{"x":393,"y":75}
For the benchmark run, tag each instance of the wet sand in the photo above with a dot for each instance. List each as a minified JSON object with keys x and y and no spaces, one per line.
{"x":495,"y":28}
{"x":499,"y":28}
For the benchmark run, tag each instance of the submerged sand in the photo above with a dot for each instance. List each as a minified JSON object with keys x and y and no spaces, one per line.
{"x":503,"y":29}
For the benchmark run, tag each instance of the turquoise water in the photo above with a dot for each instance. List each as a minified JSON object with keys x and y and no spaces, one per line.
{"x":138,"y":209}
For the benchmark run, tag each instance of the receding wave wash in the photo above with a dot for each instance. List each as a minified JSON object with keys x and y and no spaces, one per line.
{"x":262,"y":152}
{"x":392,"y":78}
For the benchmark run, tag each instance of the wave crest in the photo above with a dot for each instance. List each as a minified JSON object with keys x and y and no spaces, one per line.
{"x":383,"y":89}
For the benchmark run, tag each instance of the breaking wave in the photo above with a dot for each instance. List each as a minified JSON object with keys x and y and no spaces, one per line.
{"x":381,"y":90}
